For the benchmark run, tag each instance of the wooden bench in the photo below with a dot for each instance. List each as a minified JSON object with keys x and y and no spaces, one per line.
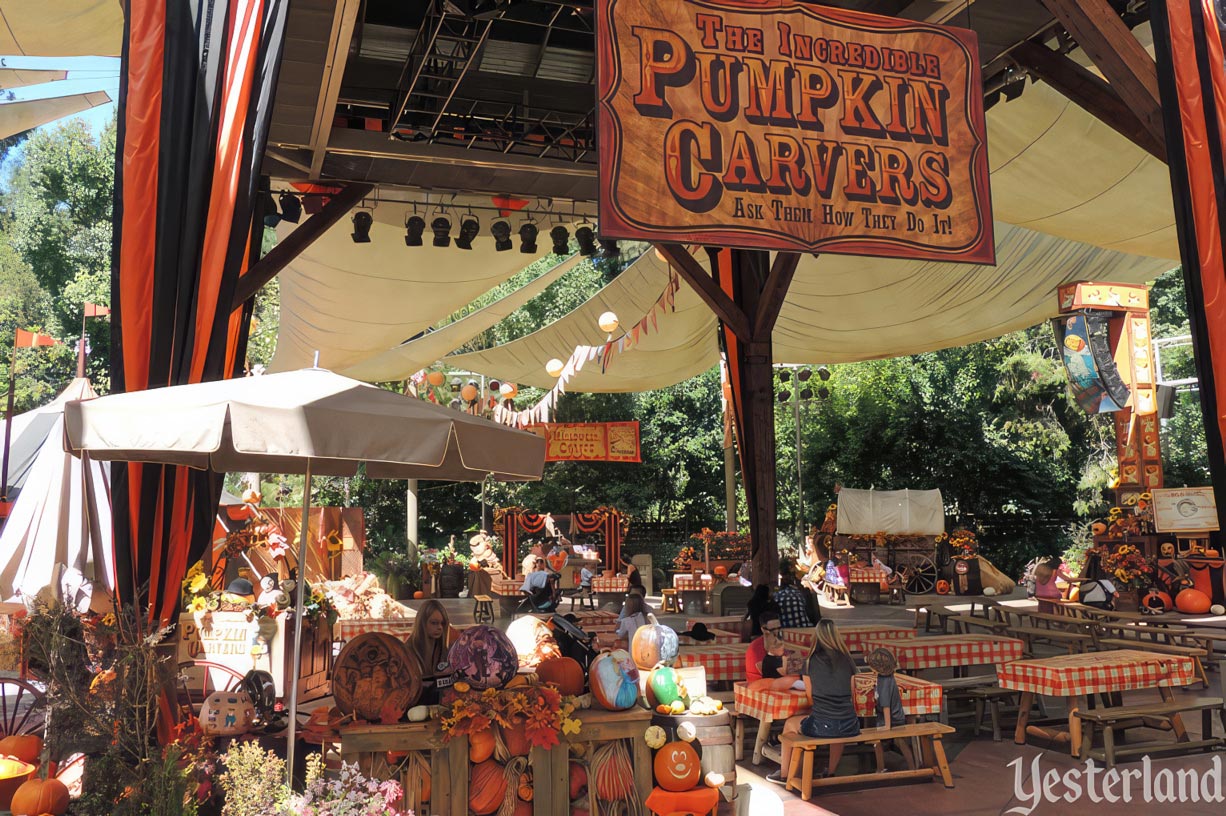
{"x":1074,"y":642}
{"x":963,"y":623}
{"x":803,"y":749}
{"x":1153,"y":715}
{"x":483,"y":609}
{"x":1124,"y":636}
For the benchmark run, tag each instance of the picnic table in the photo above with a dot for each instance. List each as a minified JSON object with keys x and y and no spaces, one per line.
{"x":688,"y":583}
{"x":865,"y":582}
{"x":724,"y":662}
{"x":952,"y":651}
{"x":1079,"y":675}
{"x":858,"y":637}
{"x":918,"y":697}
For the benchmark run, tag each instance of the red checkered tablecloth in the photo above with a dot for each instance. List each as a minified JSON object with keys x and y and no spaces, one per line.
{"x":857,"y":637}
{"x":769,"y":705}
{"x":918,"y":696}
{"x":351,"y":628}
{"x":1097,"y":672}
{"x":866,"y":575}
{"x":687,"y":583}
{"x":952,"y":650}
{"x":610,"y":583}
{"x":723,"y":661}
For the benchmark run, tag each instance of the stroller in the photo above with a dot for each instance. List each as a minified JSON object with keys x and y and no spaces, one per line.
{"x":545,"y":599}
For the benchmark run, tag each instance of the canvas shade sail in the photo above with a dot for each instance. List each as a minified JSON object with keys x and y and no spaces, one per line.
{"x":276,"y":423}
{"x":408,"y":358}
{"x":32,"y":430}
{"x":351,"y":302}
{"x":893,"y":512}
{"x":62,"y":28}
{"x":18,"y":117}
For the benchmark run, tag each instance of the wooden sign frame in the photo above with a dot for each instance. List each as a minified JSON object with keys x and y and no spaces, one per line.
{"x":770,"y":124}
{"x":1184,"y":510}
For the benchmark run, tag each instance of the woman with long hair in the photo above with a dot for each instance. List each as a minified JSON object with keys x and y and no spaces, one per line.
{"x":428,"y":642}
{"x":1046,"y":590}
{"x":828,"y":682}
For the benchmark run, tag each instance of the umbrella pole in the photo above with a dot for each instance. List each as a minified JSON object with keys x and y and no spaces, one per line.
{"x":299,"y":604}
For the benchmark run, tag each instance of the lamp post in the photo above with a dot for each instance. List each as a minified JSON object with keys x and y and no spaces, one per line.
{"x":798,"y":393}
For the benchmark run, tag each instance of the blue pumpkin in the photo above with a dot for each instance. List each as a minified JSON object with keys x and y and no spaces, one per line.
{"x":484,"y":658}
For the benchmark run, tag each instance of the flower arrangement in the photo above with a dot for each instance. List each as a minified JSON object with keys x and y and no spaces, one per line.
{"x":685,"y":557}
{"x":962,"y":542}
{"x":729,"y":545}
{"x":348,"y":794}
{"x":539,"y":710}
{"x":1127,"y":564}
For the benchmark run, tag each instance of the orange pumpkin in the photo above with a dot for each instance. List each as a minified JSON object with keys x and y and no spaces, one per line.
{"x":653,"y":644}
{"x":480,"y":746}
{"x":563,"y":672}
{"x":524,"y":790}
{"x":677,"y":767}
{"x":1157,"y":601}
{"x":943,"y":587}
{"x":487,"y":786}
{"x":516,"y":738}
{"x":522,"y":808}
{"x":578,"y":780}
{"x":26,"y":747}
{"x":418,"y":595}
{"x":38,"y":796}
{"x":1193,"y":602}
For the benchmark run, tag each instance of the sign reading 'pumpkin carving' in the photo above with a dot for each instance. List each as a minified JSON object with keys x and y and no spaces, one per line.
{"x":774,"y":125}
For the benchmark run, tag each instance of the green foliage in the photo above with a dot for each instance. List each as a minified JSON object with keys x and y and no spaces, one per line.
{"x":253,"y":782}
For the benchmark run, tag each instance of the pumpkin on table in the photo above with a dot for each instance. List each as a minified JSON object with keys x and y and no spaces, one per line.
{"x":614,"y":680}
{"x":483,"y":657}
{"x":677,"y":767}
{"x":38,"y":796}
{"x":653,"y":644}
{"x":563,"y":672}
{"x":1193,"y":602}
{"x":487,"y":786}
{"x":480,"y":746}
{"x":26,"y":747}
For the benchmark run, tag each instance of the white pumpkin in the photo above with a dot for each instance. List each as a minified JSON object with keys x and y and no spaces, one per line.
{"x":989,"y":591}
{"x":687,"y":732}
{"x":419,"y":713}
{"x":227,"y":714}
{"x":1218,"y":609}
{"x":714,"y":780}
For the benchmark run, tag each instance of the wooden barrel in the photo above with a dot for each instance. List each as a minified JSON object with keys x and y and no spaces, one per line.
{"x":714,"y":743}
{"x":450,"y":580}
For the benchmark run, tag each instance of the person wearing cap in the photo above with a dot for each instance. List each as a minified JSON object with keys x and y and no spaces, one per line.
{"x":889,"y":703}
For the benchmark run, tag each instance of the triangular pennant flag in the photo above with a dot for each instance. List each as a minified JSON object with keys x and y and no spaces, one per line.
{"x":635,"y":333}
{"x":621,"y":344}
{"x":654,"y":325}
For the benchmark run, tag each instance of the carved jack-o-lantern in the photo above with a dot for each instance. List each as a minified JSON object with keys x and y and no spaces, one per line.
{"x":226,"y":713}
{"x":1098,"y":528}
{"x":1167,"y":550}
{"x":677,"y":767}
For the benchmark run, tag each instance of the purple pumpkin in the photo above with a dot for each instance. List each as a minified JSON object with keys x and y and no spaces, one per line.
{"x":484,"y":658}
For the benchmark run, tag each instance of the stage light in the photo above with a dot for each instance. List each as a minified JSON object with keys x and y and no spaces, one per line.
{"x":470,"y":228}
{"x":501,"y":231}
{"x":527,"y":238}
{"x":784,"y":396}
{"x":587,"y":241}
{"x":609,"y":248}
{"x":806,"y":394}
{"x":608,"y":322}
{"x":361,"y":227}
{"x":291,"y":208}
{"x":784,"y":375}
{"x":413,"y":229}
{"x":823,"y":373}
{"x":441,"y":227}
{"x":271,"y":218}
{"x":804,"y":374}
{"x":560,"y":236}
{"x":554,"y":367}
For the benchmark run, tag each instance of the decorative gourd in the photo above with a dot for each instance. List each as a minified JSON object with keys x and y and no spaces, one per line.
{"x":227,"y":714}
{"x":533,"y":641}
{"x":677,"y":767}
{"x":655,"y":737}
{"x":654,"y":643}
{"x":1192,"y":602}
{"x":578,"y":780}
{"x":563,"y":672}
{"x":1098,"y":528}
{"x":524,"y":789}
{"x":480,"y":746}
{"x":662,"y":686}
{"x":1157,"y":601}
{"x":484,"y":657}
{"x":989,"y":591}
{"x":1218,"y":609}
{"x":487,"y":786}
{"x":418,"y":595}
{"x":614,"y":680}
{"x":713,"y":780}
{"x":39,"y":796}
{"x":686,"y":732}
{"x":419,"y":713}
{"x":943,"y":587}
{"x":26,"y":747}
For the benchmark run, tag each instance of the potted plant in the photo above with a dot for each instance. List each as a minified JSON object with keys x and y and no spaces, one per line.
{"x":1131,"y":571}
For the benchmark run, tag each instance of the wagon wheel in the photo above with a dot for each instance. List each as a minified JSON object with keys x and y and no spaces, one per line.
{"x":923,"y":574}
{"x":197,"y":679}
{"x":21,"y":707}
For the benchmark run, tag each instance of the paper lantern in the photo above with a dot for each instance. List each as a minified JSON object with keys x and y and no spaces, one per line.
{"x":1192,"y":602}
{"x":614,"y":680}
{"x":436,"y":378}
{"x":608,"y":322}
{"x":468,"y":393}
{"x":483,"y":657}
{"x":509,"y":390}
{"x":677,"y":767}
{"x":554,"y":367}
{"x":654,"y":643}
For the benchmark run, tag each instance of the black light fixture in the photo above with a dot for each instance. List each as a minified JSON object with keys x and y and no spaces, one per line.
{"x":271,"y":218}
{"x":609,"y":248}
{"x":785,"y":395}
{"x":362,"y":221}
{"x":501,"y":231}
{"x":784,"y":375}
{"x":527,"y":237}
{"x":291,"y":208}
{"x":806,"y":394}
{"x":456,"y":382}
{"x":804,"y":374}
{"x":587,"y":241}
{"x":470,"y":228}
{"x":441,"y":227}
{"x":823,"y":373}
{"x":823,"y":392}
{"x":414,"y":226}
{"x":560,"y":236}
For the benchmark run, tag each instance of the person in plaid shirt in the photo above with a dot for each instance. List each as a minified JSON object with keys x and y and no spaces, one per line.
{"x":794,"y":605}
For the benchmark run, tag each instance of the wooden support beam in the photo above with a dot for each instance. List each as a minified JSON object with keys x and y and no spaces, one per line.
{"x":1101,"y":33}
{"x":280,"y":256}
{"x":706,"y":287}
{"x":1088,"y":91}
{"x":343,"y":19}
{"x":773,"y":293}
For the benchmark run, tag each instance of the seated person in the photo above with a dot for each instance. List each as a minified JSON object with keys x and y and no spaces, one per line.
{"x":585,"y":578}
{"x":631,"y":619}
{"x":764,"y":659}
{"x":793,"y":603}
{"x":541,"y":587}
{"x":428,"y":643}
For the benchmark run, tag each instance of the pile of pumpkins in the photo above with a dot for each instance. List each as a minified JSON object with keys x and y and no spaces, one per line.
{"x":22,"y":792}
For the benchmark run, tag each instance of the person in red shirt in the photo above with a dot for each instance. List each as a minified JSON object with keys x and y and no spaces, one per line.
{"x":764,"y":659}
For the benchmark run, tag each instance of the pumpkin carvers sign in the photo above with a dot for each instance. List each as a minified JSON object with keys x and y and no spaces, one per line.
{"x":589,"y":441}
{"x":777,"y":125}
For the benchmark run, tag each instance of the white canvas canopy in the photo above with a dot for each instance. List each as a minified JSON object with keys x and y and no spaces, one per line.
{"x":58,"y":538}
{"x":893,"y":512}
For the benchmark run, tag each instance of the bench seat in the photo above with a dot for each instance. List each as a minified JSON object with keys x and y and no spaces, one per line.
{"x":1152,"y":715}
{"x":800,"y":770}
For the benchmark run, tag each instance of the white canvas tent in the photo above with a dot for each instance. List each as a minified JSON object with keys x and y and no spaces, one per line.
{"x":894,"y":512}
{"x":58,"y":537}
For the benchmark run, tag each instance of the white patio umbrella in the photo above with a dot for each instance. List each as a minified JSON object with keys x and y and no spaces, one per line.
{"x":311,"y":422}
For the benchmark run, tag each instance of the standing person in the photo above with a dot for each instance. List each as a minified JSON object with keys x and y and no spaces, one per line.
{"x":632,"y":574}
{"x":757,"y":605}
{"x":428,"y":644}
{"x":1046,"y":574}
{"x":828,"y":682}
{"x":889,"y":703}
{"x":794,"y":607}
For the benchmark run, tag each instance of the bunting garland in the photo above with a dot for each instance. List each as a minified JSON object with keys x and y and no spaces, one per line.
{"x":603,"y":354}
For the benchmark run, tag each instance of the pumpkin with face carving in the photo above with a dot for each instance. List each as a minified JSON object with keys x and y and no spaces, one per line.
{"x":677,"y":766}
